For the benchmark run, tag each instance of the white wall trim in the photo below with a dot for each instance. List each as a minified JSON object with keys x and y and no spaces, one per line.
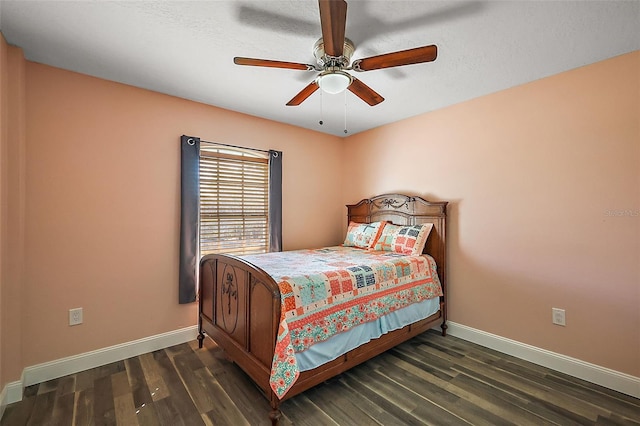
{"x":3,"y":400}
{"x":593,"y":373}
{"x":73,"y":364}
{"x":85,"y":361}
{"x":11,"y":393}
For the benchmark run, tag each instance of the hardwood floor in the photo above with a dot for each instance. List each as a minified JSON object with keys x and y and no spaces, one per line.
{"x":428,"y":380}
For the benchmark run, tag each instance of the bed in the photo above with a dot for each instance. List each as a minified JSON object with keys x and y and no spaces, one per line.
{"x":255,"y":319}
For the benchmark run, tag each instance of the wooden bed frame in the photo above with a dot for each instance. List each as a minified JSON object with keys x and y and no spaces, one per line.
{"x":239,"y":303}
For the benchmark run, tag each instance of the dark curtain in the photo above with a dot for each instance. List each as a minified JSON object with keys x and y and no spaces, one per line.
{"x":189,"y":216}
{"x":275,"y":200}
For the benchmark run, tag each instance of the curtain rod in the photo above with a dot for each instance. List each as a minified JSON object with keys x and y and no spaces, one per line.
{"x":234,"y":146}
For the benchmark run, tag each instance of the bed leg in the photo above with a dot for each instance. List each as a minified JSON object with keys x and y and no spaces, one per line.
{"x":274,"y":415}
{"x":200,"y":339}
{"x":444,"y":327}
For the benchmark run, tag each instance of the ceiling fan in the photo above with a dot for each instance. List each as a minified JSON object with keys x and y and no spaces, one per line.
{"x":333,"y":54}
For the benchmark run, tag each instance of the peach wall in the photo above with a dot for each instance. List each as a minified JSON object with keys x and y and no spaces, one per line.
{"x":544,"y":184}
{"x":12,"y":165}
{"x":102,"y":214}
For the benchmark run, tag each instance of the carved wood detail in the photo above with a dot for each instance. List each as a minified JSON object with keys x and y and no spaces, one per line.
{"x":229,"y":299}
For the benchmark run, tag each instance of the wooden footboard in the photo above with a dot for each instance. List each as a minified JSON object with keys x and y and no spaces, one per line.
{"x":240,"y":310}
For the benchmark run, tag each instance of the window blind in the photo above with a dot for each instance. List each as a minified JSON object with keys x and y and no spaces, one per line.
{"x":234,"y":202}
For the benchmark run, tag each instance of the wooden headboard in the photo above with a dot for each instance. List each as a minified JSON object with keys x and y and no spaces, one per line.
{"x":407,"y":210}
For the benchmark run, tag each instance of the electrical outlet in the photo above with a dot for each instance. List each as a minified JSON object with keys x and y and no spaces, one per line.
{"x":558,"y":317}
{"x":75,"y":316}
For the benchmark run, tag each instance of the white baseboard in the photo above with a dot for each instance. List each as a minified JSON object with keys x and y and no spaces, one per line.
{"x":11,"y":393}
{"x":3,"y":400}
{"x":85,"y":361}
{"x":621,"y":382}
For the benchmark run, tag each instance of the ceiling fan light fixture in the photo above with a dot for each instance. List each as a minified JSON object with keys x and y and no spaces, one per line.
{"x":333,"y":82}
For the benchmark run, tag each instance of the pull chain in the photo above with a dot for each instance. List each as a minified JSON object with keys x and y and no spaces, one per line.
{"x":321,"y":122}
{"x":345,"y":112}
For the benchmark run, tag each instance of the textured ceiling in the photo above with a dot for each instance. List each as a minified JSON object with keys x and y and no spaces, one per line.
{"x":186,"y":49}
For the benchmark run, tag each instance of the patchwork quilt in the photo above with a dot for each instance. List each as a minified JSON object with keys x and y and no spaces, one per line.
{"x":333,"y":289}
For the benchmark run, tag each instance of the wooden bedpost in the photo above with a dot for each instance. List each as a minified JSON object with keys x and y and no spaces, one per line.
{"x":444,"y":326}
{"x":274,"y":415}
{"x":200,"y":330}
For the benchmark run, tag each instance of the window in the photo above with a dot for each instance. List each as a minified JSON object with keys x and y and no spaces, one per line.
{"x":234,"y":200}
{"x":230,"y":202}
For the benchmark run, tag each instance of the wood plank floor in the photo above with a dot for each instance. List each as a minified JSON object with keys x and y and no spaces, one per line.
{"x":428,"y":380}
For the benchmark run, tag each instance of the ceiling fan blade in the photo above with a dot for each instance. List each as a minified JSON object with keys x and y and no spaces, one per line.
{"x":365,"y":92}
{"x":333,"y":19}
{"x":272,"y":64}
{"x":396,"y":59}
{"x":304,"y":94}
